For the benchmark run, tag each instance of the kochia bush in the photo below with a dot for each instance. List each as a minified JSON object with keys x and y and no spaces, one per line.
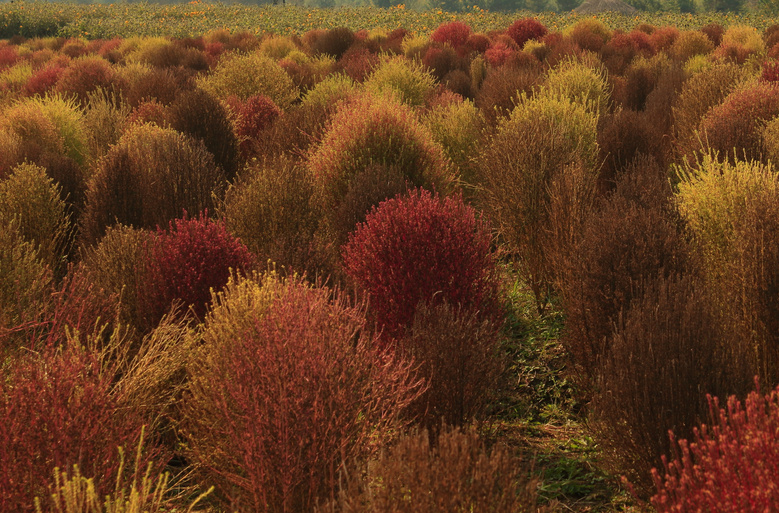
{"x":186,"y":263}
{"x":422,"y":248}
{"x":286,"y":387}
{"x":732,"y":465}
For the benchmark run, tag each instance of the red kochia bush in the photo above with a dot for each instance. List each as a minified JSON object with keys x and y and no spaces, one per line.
{"x":422,"y":248}
{"x":288,"y":388}
{"x":57,"y":410}
{"x":254,"y":115}
{"x":456,"y":33}
{"x":521,"y":31}
{"x":731,"y":466}
{"x":186,"y":262}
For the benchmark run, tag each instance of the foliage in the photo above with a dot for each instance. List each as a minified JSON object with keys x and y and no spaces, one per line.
{"x":25,"y":286}
{"x":422,"y":248}
{"x":546,"y":144}
{"x":457,"y":352}
{"x":188,"y":263}
{"x":202,"y":117}
{"x":455,"y":472}
{"x":522,"y":31}
{"x":579,"y":83}
{"x":256,"y":427}
{"x":59,"y":411}
{"x":455,"y":34}
{"x":728,"y":465}
{"x":31,"y":199}
{"x":732,"y":215}
{"x":411,"y":82}
{"x":664,"y":353}
{"x":630,"y":239}
{"x":457,"y":126}
{"x":151,"y":176}
{"x":369,"y":130}
{"x":250,"y":74}
{"x":733,"y":128}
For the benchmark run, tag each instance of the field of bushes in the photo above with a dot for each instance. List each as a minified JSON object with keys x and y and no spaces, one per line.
{"x":501,"y":266}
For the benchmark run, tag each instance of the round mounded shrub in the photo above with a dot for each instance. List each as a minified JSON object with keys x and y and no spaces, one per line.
{"x":335,"y":42}
{"x":25,"y":286}
{"x":407,"y":79}
{"x":286,"y":387}
{"x":187,"y":263}
{"x":380,"y":131}
{"x":580,"y":83}
{"x":31,"y":198}
{"x":254,"y":115}
{"x":733,"y":129}
{"x":150,"y":177}
{"x":422,"y":248}
{"x":522,"y":31}
{"x":269,"y":208}
{"x":84,"y":75}
{"x":250,"y":74}
{"x":199,"y":115}
{"x":454,"y":33}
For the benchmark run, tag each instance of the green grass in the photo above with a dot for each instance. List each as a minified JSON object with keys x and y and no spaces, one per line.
{"x":542,"y":416}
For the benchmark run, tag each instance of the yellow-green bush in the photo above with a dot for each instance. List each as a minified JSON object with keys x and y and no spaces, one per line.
{"x":689,"y":44}
{"x":408,"y":80}
{"x":278,"y":47}
{"x":31,"y":198}
{"x":732,"y":210}
{"x":457,"y":127}
{"x":246,"y":75}
{"x":25,"y":286}
{"x":333,"y":88}
{"x":375,"y":131}
{"x":269,"y":208}
{"x":580,"y":83}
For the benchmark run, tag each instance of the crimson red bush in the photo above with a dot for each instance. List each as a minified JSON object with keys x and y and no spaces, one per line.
{"x":456,"y":33}
{"x":733,"y":465}
{"x":422,"y":248}
{"x":521,"y":31}
{"x":186,"y":262}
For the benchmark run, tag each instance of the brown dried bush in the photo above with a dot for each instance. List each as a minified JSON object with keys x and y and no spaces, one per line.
{"x":454,"y":473}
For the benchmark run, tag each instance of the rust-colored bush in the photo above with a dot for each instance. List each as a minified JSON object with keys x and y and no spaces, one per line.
{"x":286,"y":387}
{"x":664,"y":355}
{"x":455,"y":472}
{"x":631,"y":238}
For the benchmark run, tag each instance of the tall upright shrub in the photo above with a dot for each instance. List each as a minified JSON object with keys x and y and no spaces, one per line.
{"x":544,"y":140}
